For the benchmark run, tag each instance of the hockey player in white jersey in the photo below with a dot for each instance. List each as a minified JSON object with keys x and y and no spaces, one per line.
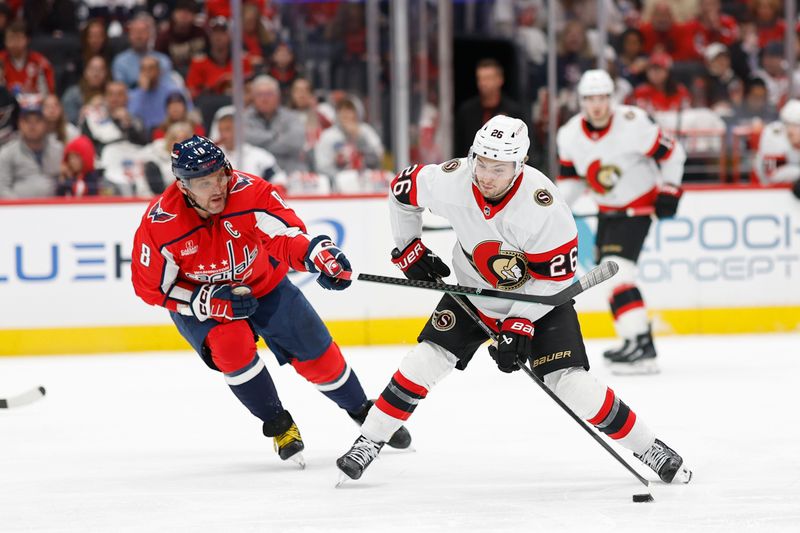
{"x":628,"y":164}
{"x":778,"y":156}
{"x":515,"y":233}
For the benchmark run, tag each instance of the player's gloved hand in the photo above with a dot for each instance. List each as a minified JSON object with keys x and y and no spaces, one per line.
{"x":419,"y":263}
{"x":667,"y":200}
{"x":327,"y":259}
{"x":513,"y":343}
{"x":223,"y":302}
{"x":796,"y":189}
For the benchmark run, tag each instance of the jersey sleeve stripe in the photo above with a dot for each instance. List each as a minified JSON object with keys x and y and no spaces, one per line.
{"x":661,"y":149}
{"x":567,"y":170}
{"x":556,"y":264}
{"x":274,"y":226}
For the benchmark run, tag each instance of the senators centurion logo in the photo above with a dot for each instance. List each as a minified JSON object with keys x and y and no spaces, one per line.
{"x":503,"y":269}
{"x":603,"y":178}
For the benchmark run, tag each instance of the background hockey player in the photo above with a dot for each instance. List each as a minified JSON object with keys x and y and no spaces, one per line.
{"x":214,"y":250}
{"x":627,"y":162}
{"x":514,"y":233}
{"x":778,"y":156}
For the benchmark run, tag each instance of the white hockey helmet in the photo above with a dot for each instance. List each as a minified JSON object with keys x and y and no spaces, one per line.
{"x":502,"y":138}
{"x":790,"y":112}
{"x":595,"y":82}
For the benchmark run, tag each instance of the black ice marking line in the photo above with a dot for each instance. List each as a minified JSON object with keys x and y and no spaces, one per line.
{"x":23,"y":399}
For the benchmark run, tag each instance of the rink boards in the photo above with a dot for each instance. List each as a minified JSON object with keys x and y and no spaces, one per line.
{"x":728,"y":263}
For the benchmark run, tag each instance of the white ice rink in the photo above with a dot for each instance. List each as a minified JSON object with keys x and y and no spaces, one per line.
{"x":156,"y":442}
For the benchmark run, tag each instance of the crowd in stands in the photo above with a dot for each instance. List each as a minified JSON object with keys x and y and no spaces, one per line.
{"x":93,"y":94}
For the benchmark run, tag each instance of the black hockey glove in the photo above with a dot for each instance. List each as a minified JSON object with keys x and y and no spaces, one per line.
{"x":325,"y":257}
{"x":419,"y":263}
{"x":667,"y":200}
{"x":223,"y":303}
{"x":796,"y":189}
{"x":513,"y":343}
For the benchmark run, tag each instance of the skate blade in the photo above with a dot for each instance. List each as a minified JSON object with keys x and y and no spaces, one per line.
{"x":639,"y":368}
{"x":343,"y":478}
{"x":299,"y":459}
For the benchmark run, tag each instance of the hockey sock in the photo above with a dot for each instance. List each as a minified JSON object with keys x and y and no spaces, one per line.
{"x":630,"y":314}
{"x":333,"y":377}
{"x":253,"y":386}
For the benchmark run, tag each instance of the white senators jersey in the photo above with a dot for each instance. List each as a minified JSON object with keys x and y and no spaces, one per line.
{"x":622,"y":164}
{"x":525,"y":243}
{"x":776,"y":160}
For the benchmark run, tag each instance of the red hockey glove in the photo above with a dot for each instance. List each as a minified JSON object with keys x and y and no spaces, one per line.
{"x":419,"y":263}
{"x":326,"y":258}
{"x":513,"y":343}
{"x":667,"y":200}
{"x":223,"y":303}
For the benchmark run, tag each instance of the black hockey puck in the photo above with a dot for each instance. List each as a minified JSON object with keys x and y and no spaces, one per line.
{"x":639,"y":498}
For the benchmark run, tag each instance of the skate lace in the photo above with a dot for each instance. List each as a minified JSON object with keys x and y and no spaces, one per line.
{"x":655,"y":457}
{"x":287,"y":437}
{"x":364,"y":451}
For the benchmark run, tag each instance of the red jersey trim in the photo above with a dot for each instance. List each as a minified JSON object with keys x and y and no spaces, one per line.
{"x":648,"y":199}
{"x":490,"y":210}
{"x":596,"y":135}
{"x":541,"y":266}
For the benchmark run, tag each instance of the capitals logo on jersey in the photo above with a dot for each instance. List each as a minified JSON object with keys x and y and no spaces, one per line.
{"x":157,"y":214}
{"x":503,"y":269}
{"x":242,"y":182}
{"x":602,"y":178}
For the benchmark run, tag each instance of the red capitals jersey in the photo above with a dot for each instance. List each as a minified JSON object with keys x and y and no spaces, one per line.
{"x":35,"y":76}
{"x":254,"y":240}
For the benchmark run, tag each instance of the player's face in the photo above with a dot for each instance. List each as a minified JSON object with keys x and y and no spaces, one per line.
{"x":492,"y":177}
{"x":210,"y":192}
{"x":598,"y":109}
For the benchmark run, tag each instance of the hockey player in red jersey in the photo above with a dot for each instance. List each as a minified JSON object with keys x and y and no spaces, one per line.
{"x":626,"y":162}
{"x":514,"y":232}
{"x":214,"y":249}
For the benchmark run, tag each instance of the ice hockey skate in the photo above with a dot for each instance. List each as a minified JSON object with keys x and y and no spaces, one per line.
{"x":666,"y":463}
{"x":635,"y":356}
{"x":287,"y":442}
{"x":401,"y":439}
{"x":353,"y":463}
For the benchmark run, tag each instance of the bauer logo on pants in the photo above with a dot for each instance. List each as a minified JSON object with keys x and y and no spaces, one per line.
{"x":443,"y":320}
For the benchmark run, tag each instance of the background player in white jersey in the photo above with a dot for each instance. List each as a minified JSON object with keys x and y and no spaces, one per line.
{"x":514,"y":233}
{"x":621,"y":155}
{"x":778,"y":156}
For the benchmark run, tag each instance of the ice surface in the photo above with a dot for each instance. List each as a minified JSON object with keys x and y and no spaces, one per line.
{"x":156,"y":442}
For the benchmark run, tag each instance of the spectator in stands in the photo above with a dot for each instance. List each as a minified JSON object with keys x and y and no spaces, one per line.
{"x":745,"y":51}
{"x":6,"y":16}
{"x":282,"y":67}
{"x":723,"y":87}
{"x":275,"y":128}
{"x":347,"y":145}
{"x":211,"y":74}
{"x":251,"y":158}
{"x":756,"y":109}
{"x":57,"y":124}
{"x":125,"y":67}
{"x":529,"y":33}
{"x":178,"y":111}
{"x":148,"y":101}
{"x":665,"y":34}
{"x":769,"y":23}
{"x":490,"y":101}
{"x":778,"y":156}
{"x":8,"y":114}
{"x":585,"y":12}
{"x":303,"y":101}
{"x":107,"y":120}
{"x":575,"y":55}
{"x":258,"y":38}
{"x":92,"y":83}
{"x":78,"y":176}
{"x":25,"y":71}
{"x":711,"y":25}
{"x":183,"y":39}
{"x":94,"y":42}
{"x":30,"y":163}
{"x":632,"y":61}
{"x":773,"y":72}
{"x":349,"y":66}
{"x":661,"y":92}
{"x":50,"y":17}
{"x":157,"y":156}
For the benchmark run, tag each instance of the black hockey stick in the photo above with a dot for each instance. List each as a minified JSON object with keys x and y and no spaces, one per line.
{"x":492,"y":335}
{"x":22,"y":399}
{"x":598,"y":274}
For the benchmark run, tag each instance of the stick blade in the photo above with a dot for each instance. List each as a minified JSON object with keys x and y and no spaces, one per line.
{"x":599,"y":274}
{"x":23,"y":399}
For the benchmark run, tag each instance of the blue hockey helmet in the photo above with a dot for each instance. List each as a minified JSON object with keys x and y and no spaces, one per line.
{"x":197,"y":157}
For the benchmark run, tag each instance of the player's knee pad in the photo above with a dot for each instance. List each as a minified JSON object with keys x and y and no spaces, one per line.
{"x":427,"y":364}
{"x":232,"y":345}
{"x":327,"y":372}
{"x":578,"y":389}
{"x":625,"y":298}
